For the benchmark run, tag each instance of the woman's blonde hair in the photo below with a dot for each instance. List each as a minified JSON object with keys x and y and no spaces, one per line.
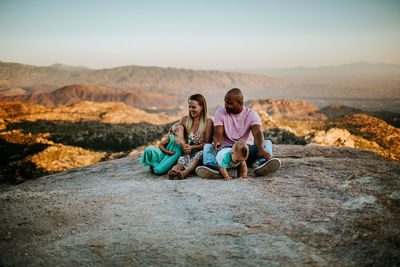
{"x":203,"y":116}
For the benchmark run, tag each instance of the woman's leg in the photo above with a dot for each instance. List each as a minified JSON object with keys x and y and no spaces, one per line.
{"x":174,"y":171}
{"x":192,"y":166}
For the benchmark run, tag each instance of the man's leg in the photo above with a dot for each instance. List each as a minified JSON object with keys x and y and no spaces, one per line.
{"x":210,"y":169}
{"x":209,"y":157}
{"x":253,"y":153}
{"x":264,"y":167}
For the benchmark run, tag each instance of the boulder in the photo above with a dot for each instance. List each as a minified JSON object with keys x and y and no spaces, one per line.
{"x":326,"y":206}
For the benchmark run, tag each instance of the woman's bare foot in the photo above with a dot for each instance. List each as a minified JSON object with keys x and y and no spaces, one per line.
{"x":182,"y":175}
{"x":172,"y":174}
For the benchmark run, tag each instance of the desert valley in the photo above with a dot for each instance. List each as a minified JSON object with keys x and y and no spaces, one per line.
{"x":49,"y":125}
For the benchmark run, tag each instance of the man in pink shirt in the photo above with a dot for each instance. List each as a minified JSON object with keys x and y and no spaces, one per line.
{"x":236,"y":122}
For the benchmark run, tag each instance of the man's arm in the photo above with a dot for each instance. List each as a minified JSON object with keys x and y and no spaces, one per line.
{"x":259,"y":142}
{"x":218,"y":134}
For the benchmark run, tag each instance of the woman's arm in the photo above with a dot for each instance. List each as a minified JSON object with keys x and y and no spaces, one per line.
{"x":209,"y":134}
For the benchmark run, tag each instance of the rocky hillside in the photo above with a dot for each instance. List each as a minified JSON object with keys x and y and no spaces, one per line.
{"x":37,"y":140}
{"x":335,"y":110}
{"x":77,"y":93}
{"x":372,"y":129}
{"x":297,"y":122}
{"x":324,"y":207}
{"x":288,"y":109}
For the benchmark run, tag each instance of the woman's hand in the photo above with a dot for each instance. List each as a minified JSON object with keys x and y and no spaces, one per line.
{"x":187,"y":149}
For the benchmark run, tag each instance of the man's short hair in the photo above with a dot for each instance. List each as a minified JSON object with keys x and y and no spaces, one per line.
{"x":237,"y":94}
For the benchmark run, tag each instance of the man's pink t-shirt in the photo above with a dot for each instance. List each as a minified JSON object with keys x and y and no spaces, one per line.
{"x":237,"y":127}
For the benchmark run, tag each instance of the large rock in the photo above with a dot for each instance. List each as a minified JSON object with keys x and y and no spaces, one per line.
{"x":324,"y":207}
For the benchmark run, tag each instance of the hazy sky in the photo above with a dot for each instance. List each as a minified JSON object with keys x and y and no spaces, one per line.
{"x":199,"y":34}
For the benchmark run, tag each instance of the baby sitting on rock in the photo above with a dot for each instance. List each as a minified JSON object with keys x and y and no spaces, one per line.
{"x":228,"y":158}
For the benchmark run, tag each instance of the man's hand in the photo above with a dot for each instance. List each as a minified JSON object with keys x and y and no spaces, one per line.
{"x":262,"y":154}
{"x":216,"y":146}
{"x":256,"y":130}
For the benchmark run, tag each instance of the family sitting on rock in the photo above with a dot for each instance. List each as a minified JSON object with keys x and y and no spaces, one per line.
{"x":233,"y":140}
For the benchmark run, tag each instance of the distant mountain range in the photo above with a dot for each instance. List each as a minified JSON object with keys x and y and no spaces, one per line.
{"x":18,"y":79}
{"x":359,"y":85}
{"x":346,"y":72}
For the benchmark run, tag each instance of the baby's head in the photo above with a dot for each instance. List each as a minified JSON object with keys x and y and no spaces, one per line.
{"x":240,"y":152}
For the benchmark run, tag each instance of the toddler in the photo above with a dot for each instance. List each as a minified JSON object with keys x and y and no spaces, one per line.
{"x":162,"y":158}
{"x":234,"y":157}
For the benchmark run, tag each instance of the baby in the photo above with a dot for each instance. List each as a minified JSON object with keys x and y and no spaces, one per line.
{"x":234,"y":157}
{"x":162,"y":158}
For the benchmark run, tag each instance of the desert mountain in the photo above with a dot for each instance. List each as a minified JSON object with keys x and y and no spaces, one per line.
{"x":16,"y":78}
{"x":321,"y":87}
{"x":326,"y":206}
{"x":77,"y":93}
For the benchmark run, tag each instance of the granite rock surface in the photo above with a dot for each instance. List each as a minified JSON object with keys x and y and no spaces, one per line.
{"x":326,"y":206}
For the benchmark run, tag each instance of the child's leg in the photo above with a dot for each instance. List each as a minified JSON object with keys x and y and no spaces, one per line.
{"x":151,"y":156}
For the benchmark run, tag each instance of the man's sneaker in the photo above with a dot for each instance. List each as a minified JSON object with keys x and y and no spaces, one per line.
{"x":267,"y":167}
{"x":208,"y":173}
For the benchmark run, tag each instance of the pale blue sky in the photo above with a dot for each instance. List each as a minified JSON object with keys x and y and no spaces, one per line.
{"x":199,"y":34}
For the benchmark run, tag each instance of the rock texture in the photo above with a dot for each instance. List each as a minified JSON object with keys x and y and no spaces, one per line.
{"x":326,"y":206}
